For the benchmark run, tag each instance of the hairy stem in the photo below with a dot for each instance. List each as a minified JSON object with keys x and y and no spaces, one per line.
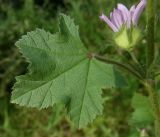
{"x":154,"y":99}
{"x":150,"y":32}
{"x":134,"y":58}
{"x":120,"y":65}
{"x":150,"y":86}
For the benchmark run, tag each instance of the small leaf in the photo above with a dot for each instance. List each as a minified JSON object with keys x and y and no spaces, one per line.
{"x":61,"y":72}
{"x":143,"y":114}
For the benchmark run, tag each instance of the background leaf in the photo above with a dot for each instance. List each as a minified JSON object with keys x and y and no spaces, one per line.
{"x":143,"y":115}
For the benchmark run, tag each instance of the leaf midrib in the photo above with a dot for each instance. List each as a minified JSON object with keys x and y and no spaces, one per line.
{"x":54,"y":77}
{"x":84,"y":93}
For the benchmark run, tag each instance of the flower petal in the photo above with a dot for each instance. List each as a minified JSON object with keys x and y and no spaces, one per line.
{"x":132,"y":10}
{"x":140,"y":7}
{"x":125,"y":13}
{"x":117,"y":18}
{"x":112,"y":19}
{"x":120,"y":17}
{"x":110,"y":24}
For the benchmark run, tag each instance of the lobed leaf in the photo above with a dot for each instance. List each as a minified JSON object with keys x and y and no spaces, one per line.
{"x":60,"y":71}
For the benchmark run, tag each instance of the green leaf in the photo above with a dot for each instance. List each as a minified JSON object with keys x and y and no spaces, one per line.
{"x":143,"y":114}
{"x":135,"y":134}
{"x":60,"y":71}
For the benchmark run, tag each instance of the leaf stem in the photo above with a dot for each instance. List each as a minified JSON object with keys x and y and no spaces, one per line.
{"x":119,"y":64}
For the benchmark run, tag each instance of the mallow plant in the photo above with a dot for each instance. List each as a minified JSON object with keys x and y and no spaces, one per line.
{"x":61,"y":70}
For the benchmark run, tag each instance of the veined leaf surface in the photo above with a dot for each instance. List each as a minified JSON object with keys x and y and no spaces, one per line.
{"x":60,"y":71}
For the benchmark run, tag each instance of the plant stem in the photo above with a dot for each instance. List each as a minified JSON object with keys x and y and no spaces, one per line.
{"x":6,"y":124}
{"x":134,"y":58}
{"x":150,"y":32}
{"x":154,"y":99}
{"x":122,"y":66}
{"x":150,"y":86}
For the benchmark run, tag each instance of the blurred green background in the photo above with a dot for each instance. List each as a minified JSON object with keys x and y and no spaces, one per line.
{"x":20,"y":16}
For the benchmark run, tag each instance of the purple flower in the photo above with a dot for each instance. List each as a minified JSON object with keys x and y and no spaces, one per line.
{"x":122,"y":16}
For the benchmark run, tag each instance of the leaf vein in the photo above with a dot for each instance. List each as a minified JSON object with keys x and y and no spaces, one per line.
{"x":84,"y":94}
{"x":46,"y":82}
{"x":44,"y":39}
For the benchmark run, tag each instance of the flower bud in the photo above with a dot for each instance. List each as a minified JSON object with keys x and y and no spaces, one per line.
{"x":123,"y":22}
{"x":127,"y":38}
